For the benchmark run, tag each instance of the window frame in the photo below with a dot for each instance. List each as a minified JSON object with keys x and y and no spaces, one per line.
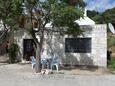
{"x":74,"y":45}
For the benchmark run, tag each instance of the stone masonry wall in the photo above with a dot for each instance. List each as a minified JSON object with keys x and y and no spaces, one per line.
{"x":99,"y":47}
{"x":98,"y":55}
{"x":56,"y":44}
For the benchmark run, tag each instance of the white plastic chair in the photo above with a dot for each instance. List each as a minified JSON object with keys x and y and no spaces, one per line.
{"x":55,"y":62}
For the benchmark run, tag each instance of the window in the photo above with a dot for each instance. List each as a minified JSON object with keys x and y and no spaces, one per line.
{"x":78,"y":45}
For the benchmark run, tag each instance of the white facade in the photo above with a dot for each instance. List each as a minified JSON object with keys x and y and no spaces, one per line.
{"x":19,"y":36}
{"x":98,"y":55}
{"x":56,"y":44}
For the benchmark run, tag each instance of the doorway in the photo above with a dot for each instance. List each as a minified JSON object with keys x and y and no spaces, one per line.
{"x":28,"y":49}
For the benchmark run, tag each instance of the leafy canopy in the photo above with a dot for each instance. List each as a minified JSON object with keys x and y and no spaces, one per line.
{"x":10,"y":11}
{"x":61,"y":13}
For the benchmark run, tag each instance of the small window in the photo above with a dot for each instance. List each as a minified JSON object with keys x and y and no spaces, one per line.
{"x":78,"y":45}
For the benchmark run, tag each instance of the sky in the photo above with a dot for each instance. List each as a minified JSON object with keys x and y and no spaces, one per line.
{"x":99,"y":5}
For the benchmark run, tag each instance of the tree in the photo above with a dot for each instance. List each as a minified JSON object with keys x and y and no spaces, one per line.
{"x":92,"y":13}
{"x":60,"y":13}
{"x":10,"y":12}
{"x":109,"y":15}
{"x":104,"y":17}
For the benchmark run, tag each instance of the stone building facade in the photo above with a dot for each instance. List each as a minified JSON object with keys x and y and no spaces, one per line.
{"x":95,"y":37}
{"x":95,"y":53}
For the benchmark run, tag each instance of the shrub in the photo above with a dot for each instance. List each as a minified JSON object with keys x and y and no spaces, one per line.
{"x":111,"y":64}
{"x":110,"y":41}
{"x":13,"y":50}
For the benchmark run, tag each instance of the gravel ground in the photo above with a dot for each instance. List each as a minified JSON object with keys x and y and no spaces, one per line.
{"x":22,"y":75}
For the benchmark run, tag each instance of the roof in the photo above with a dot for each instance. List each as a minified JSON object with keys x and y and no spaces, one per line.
{"x":82,"y":21}
{"x":48,"y":25}
{"x":85,"y":21}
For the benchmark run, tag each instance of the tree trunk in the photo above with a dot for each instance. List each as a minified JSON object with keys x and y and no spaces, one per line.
{"x":38,"y":60}
{"x":38,"y":53}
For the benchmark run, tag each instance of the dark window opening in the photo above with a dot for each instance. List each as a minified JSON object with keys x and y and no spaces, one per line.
{"x":78,"y":45}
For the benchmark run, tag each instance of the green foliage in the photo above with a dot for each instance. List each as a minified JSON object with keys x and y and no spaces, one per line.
{"x":68,"y":13}
{"x":111,"y":64}
{"x":47,"y":11}
{"x":13,"y":50}
{"x":95,"y":16}
{"x":92,"y":13}
{"x":105,"y":17}
{"x":110,"y":15}
{"x":110,"y":41}
{"x":10,"y":11}
{"x":74,"y":2}
{"x":73,"y":31}
{"x":62,"y":14}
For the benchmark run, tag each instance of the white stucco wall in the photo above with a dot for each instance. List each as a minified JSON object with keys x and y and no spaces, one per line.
{"x":99,"y":47}
{"x":19,"y":36}
{"x":56,"y":44}
{"x":97,"y":57}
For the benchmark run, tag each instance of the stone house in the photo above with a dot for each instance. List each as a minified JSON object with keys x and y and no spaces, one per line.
{"x":88,"y":49}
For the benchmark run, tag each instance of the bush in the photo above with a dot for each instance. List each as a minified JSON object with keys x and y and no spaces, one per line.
{"x":110,"y":41}
{"x":13,"y":50}
{"x":111,"y":64}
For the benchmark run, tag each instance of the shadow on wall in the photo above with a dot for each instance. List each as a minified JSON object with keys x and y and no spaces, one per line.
{"x":85,"y":59}
{"x":19,"y":40}
{"x":86,"y":62}
{"x":55,"y":45}
{"x":68,"y":60}
{"x":19,"y":36}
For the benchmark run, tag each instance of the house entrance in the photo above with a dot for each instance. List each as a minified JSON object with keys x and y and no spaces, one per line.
{"x":28,"y":48}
